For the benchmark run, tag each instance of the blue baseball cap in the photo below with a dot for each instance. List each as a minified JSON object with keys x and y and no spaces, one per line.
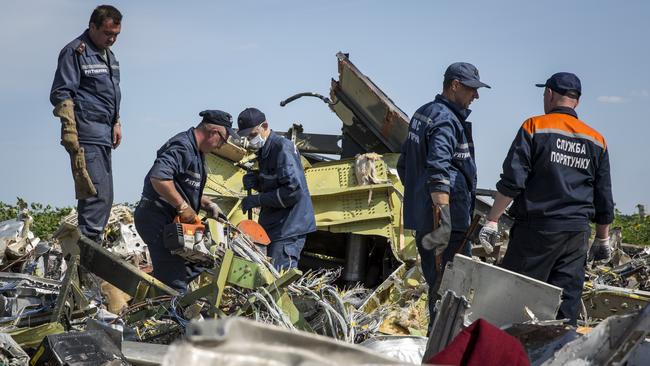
{"x":466,"y":73}
{"x":564,"y":83}
{"x":219,"y":118}
{"x":248,"y":119}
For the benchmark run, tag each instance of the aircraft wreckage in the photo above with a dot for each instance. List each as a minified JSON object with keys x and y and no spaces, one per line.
{"x":357,"y":298}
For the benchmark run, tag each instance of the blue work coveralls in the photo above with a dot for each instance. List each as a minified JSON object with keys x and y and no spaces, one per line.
{"x":286,"y":213}
{"x":438,"y":156}
{"x":179,"y":160}
{"x":92,"y":81}
{"x":557,"y":171}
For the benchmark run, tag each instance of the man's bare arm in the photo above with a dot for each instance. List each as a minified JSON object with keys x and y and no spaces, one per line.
{"x":167,"y":190}
{"x":500,"y":204}
{"x":602,"y":231}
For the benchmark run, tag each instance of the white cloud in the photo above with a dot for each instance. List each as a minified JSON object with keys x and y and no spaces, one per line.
{"x":248,"y":46}
{"x":640,"y":93}
{"x":615,"y":99}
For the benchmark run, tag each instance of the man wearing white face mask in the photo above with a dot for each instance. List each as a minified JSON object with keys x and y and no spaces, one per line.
{"x":286,"y":211}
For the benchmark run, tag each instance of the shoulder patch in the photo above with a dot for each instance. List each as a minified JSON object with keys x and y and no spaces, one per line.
{"x":81,"y":48}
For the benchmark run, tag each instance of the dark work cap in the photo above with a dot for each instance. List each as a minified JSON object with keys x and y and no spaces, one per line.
{"x":466,"y":73}
{"x":248,"y":119}
{"x":219,"y":118}
{"x":564,"y":83}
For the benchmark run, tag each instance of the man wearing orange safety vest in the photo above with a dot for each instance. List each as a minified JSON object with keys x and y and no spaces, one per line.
{"x":557,"y":173}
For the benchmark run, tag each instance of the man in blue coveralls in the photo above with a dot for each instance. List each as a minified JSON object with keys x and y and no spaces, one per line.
{"x":438,"y":171}
{"x":86,"y":97}
{"x":286,"y":211}
{"x":174,"y":187}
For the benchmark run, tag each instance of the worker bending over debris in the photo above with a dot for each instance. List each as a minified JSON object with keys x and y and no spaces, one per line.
{"x":174,"y":187}
{"x":557,"y":172}
{"x":86,"y":97}
{"x":438,"y":171}
{"x":286,"y":211}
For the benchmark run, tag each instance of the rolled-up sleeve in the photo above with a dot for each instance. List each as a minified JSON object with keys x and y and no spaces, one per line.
{"x":603,"y":200}
{"x":288,"y":192}
{"x":441,"y":143}
{"x":516,"y":165}
{"x":171,"y":161}
{"x":66,"y":77}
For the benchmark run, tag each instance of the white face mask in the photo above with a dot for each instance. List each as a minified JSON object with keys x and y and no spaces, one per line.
{"x":256,"y":142}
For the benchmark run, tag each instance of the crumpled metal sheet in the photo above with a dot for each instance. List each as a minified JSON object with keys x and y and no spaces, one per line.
{"x":10,"y":231}
{"x":497,"y":295}
{"x":399,"y":304}
{"x":22,"y":294}
{"x":10,"y":352}
{"x":129,"y":242}
{"x":144,"y":354}
{"x":364,"y":108}
{"x":16,"y":238}
{"x":542,"y":341}
{"x":450,"y":320}
{"x":408,"y":349}
{"x":612,"y":342}
{"x":239,"y":341}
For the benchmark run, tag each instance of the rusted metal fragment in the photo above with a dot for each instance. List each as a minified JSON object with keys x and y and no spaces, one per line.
{"x":371,"y":121}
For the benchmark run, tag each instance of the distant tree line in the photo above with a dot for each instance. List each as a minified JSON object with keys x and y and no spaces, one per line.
{"x":635,"y":228}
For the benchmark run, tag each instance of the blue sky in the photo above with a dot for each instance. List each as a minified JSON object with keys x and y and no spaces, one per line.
{"x":178,"y":58}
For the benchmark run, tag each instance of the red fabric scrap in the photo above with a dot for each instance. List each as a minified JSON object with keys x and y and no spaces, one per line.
{"x":482,"y":344}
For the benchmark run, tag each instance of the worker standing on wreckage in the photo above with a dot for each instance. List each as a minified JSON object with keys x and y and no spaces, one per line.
{"x":557,"y":173}
{"x":174,"y":188}
{"x":86,"y":97}
{"x":286,"y":210}
{"x":438,"y":171}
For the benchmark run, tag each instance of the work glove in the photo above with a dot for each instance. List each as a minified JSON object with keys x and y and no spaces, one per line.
{"x":438,"y":239}
{"x":186,"y":214}
{"x":84,"y":187}
{"x":600,"y":250}
{"x":250,"y":202}
{"x":250,"y":180}
{"x":69,"y":136}
{"x":489,"y":235}
{"x":214,"y":211}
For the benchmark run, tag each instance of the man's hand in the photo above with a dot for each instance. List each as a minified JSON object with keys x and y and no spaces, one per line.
{"x":250,"y":202}
{"x":117,"y":134}
{"x":186,"y":214}
{"x":600,"y":250}
{"x":214,"y":211}
{"x":250,"y":180}
{"x":438,"y":239}
{"x":489,"y":235}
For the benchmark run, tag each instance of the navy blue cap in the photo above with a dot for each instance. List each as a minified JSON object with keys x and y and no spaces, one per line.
{"x":564,"y":83}
{"x":248,"y":119}
{"x":219,"y":118}
{"x":466,"y":73}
